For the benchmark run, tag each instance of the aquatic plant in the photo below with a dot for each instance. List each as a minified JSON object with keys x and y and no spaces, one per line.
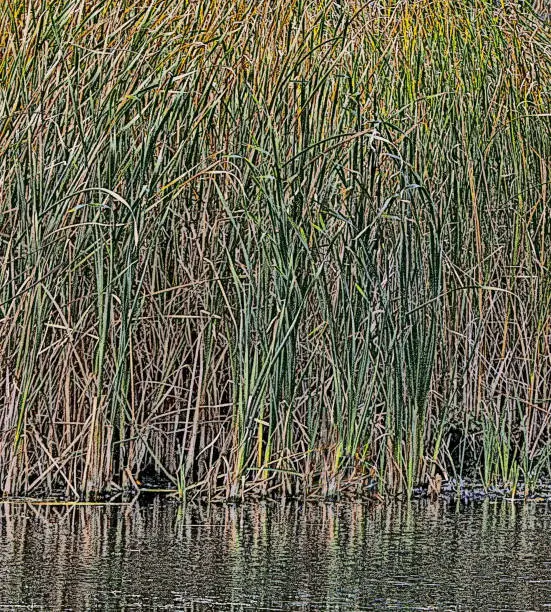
{"x":273,"y":248}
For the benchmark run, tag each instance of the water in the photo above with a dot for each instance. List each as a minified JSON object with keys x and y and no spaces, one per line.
{"x":157,"y":556}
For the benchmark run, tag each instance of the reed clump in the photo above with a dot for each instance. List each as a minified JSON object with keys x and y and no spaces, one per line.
{"x":273,"y":248}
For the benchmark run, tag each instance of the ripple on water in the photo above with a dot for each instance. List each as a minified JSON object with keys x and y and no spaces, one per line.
{"x":419,"y":556}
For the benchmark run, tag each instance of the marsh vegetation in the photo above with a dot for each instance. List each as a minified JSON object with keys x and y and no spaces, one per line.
{"x":273,"y":248}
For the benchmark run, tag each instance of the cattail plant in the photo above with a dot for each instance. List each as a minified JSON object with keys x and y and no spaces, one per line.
{"x":285,"y":248}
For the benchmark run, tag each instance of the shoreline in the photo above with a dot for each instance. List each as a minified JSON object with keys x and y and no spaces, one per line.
{"x":465,"y":493}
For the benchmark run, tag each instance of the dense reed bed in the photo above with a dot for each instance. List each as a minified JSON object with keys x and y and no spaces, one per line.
{"x":278,"y":248}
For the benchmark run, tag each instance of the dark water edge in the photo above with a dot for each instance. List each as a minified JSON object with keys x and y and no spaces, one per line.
{"x":162,"y":556}
{"x":464,"y":490}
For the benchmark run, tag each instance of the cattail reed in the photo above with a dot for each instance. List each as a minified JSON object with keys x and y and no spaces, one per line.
{"x":273,"y":248}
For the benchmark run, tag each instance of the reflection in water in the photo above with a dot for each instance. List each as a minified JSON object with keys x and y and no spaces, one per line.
{"x":273,"y":557}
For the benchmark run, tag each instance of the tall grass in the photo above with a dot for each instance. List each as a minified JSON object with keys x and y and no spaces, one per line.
{"x":273,"y":247}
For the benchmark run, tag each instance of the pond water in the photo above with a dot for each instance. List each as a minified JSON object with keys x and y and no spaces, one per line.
{"x":159,"y":556}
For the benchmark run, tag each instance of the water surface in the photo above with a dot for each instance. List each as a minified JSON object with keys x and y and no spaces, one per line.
{"x":158,"y":556}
